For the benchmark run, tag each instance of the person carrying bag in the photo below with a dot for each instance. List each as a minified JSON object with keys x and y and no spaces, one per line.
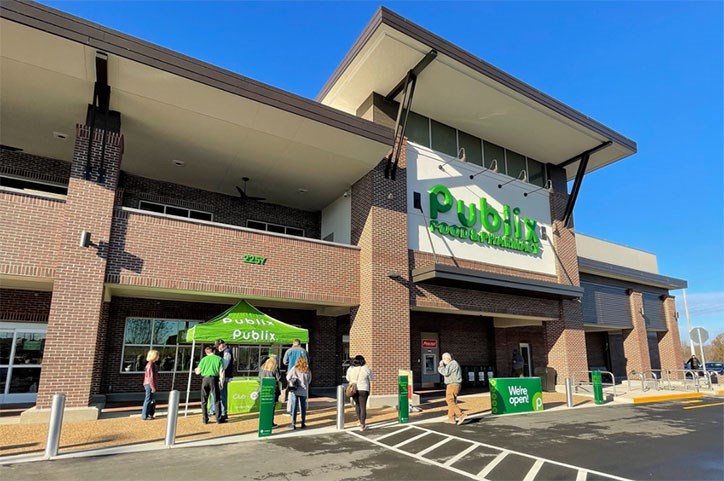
{"x":359,"y":377}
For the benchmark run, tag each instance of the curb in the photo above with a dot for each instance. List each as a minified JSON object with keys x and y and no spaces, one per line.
{"x":666,"y":397}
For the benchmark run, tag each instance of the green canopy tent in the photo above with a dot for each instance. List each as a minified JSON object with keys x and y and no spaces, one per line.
{"x":240,"y":324}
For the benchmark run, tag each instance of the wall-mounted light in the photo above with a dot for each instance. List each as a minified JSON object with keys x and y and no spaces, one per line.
{"x":493,"y":167}
{"x":461,"y":156}
{"x":523,"y":177}
{"x":347,"y":193}
{"x":394,"y":275}
{"x":85,"y":239}
{"x":629,"y":292}
{"x":676,"y":315}
{"x":641,"y":310}
{"x":548,"y":186}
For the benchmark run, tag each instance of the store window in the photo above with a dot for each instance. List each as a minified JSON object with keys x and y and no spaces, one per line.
{"x":494,"y":152}
{"x":21,"y":359}
{"x":444,"y":138}
{"x":536,"y":173}
{"x":143,"y":334}
{"x":418,"y":129}
{"x":31,"y":186}
{"x":473,"y":148}
{"x":515,"y":163}
{"x":175,"y":211}
{"x":276,"y":228}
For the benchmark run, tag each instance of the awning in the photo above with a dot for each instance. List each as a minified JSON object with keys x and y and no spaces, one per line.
{"x":244,"y":324}
{"x":451,"y":276}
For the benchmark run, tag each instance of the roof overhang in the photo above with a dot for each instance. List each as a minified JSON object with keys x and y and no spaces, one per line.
{"x":451,"y":276}
{"x":462,"y":90}
{"x":223,"y":126}
{"x":603,"y":269}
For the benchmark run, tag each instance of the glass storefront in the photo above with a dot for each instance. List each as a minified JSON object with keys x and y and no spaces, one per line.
{"x":21,"y":360}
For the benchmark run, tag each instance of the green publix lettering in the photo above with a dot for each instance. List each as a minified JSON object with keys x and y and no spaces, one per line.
{"x":518,"y":234}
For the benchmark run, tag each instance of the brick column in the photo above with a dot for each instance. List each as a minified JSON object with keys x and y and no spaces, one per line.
{"x":76,"y":311}
{"x":669,"y":341}
{"x":380,"y":326}
{"x":565,"y":338}
{"x":635,"y":341}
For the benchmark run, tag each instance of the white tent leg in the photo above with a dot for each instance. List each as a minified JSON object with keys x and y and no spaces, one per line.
{"x":191,"y":368}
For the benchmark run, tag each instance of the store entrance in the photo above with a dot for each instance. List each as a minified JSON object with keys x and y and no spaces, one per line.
{"x":524,"y":349}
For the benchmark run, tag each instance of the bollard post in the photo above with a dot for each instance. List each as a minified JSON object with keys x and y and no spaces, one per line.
{"x":569,"y":393}
{"x":340,"y":407}
{"x":172,"y":419}
{"x":56,"y":422}
{"x":597,"y":387}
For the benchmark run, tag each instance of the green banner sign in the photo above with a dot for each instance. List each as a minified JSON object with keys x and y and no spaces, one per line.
{"x":266,"y":409}
{"x":243,"y":396}
{"x":403,"y":412}
{"x":515,"y":395}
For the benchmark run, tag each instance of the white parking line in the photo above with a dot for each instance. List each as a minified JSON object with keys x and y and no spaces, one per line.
{"x":492,"y":464}
{"x":414,"y":438}
{"x":460,"y":455}
{"x":534,"y":470}
{"x":582,"y":473}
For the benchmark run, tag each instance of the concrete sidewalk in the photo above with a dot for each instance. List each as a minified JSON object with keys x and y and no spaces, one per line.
{"x":123,"y":427}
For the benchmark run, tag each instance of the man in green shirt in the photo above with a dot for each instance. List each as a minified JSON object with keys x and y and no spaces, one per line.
{"x":211,"y":369}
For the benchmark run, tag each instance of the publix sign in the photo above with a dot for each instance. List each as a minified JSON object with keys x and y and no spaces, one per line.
{"x":482,"y":223}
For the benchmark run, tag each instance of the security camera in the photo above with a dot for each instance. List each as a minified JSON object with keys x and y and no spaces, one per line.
{"x":346,"y":194}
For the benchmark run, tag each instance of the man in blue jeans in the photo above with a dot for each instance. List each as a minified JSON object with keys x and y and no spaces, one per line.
{"x":223,"y":351}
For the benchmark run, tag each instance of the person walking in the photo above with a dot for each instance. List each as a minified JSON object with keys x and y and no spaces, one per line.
{"x":517,"y":364}
{"x":211,"y":370}
{"x":290,"y":360}
{"x":150,"y":375}
{"x":693,"y":362}
{"x":360,"y":374}
{"x":450,"y":370}
{"x":298,"y":380}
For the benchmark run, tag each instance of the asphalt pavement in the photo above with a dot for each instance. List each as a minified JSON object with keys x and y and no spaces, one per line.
{"x":676,"y":440}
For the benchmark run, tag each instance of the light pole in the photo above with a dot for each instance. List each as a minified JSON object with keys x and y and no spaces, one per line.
{"x":688,"y":323}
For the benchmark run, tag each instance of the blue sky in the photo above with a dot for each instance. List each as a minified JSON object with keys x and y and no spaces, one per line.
{"x":653,"y":71}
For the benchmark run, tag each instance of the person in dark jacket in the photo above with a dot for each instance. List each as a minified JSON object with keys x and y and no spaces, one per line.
{"x":224,"y":351}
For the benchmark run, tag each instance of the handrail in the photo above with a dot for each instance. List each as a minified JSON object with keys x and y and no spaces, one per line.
{"x":576,"y":384}
{"x":640,"y":375}
{"x":653,"y":376}
{"x":692,"y":374}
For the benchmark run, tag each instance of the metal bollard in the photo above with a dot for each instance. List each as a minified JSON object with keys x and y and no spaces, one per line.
{"x":569,"y":393}
{"x":172,"y":419}
{"x":56,"y":422}
{"x":340,"y":407}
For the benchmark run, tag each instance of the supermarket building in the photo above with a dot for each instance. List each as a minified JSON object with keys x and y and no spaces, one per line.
{"x":419,"y":205}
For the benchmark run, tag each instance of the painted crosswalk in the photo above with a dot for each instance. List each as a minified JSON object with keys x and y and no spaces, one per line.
{"x":472,"y":459}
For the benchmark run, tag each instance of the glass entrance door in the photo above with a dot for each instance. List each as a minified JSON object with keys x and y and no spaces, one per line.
{"x":21,"y":359}
{"x":525,"y":352}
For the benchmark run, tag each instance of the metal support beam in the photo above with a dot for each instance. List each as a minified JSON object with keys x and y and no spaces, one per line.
{"x":576,"y":188}
{"x":402,"y":113}
{"x":589,"y":152}
{"x":416,"y":70}
{"x":407,"y":87}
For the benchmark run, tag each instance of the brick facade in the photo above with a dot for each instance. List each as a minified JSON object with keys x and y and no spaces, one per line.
{"x":635,"y":341}
{"x":380,"y":326}
{"x":75,"y":311}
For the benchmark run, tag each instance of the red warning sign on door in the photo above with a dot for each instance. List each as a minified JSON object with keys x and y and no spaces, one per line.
{"x":429,"y":343}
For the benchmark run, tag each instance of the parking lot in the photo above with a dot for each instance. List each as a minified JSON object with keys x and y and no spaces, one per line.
{"x":665,"y":441}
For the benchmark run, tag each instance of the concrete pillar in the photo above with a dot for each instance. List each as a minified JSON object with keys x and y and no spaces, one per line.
{"x":76,"y":311}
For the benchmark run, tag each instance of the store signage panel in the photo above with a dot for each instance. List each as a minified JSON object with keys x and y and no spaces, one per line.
{"x":475,"y":219}
{"x":429,"y":343}
{"x":515,"y":395}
